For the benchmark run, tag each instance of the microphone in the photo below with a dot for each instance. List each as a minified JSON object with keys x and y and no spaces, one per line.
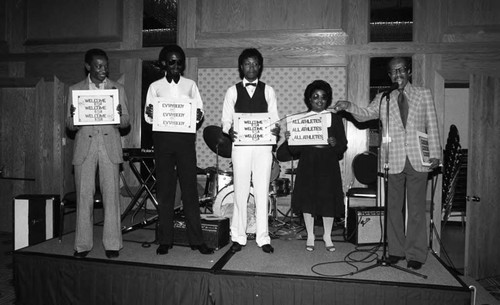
{"x":393,"y":87}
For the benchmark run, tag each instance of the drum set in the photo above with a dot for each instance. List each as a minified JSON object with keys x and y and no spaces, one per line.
{"x":218,"y":196}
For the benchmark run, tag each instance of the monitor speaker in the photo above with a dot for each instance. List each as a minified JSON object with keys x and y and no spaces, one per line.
{"x":365,"y":225}
{"x":35,"y":219}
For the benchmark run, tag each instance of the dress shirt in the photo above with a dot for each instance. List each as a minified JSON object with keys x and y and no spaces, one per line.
{"x":230,"y":101}
{"x":101,"y":86}
{"x":185,"y":88}
{"x":403,"y":106}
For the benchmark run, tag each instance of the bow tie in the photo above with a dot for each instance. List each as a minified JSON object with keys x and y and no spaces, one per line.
{"x":251,"y":84}
{"x":174,"y":78}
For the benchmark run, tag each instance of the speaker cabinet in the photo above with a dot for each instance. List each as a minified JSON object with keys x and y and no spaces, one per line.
{"x":35,"y":219}
{"x":365,"y":225}
{"x":215,"y":231}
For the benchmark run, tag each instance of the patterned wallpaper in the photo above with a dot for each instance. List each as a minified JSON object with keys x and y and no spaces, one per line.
{"x":289,"y":84}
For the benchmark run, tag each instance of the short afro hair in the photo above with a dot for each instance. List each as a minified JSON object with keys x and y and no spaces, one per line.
{"x":315,"y":85}
{"x":249,"y":53}
{"x":90,"y":54}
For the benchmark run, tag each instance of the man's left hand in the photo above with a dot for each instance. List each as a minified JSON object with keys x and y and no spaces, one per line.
{"x":332,"y":142}
{"x":434,"y":163}
{"x":199,"y":115}
{"x":276,"y":130}
{"x":119,"y":109}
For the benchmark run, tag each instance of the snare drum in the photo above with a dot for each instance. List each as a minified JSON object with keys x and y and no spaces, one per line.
{"x":280,"y":187}
{"x":224,"y":179}
{"x":219,"y":181}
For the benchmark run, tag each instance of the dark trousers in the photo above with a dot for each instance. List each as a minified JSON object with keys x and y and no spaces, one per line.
{"x":175,"y":157}
{"x":411,"y":185}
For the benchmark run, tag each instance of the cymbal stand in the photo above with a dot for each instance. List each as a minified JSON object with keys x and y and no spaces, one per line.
{"x":289,"y":214}
{"x":208,"y":198}
{"x":216,"y":183}
{"x":275,"y":222}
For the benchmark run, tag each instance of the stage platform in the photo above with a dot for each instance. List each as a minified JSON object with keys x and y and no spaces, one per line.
{"x":47,"y":273}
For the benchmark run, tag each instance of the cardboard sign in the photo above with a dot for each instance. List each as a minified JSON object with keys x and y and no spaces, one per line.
{"x":308,"y":129}
{"x":253,"y":129}
{"x":95,"y":107}
{"x":174,"y":115}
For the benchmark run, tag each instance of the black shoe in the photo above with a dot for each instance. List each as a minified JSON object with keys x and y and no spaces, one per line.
{"x":394,"y":259}
{"x":414,"y":265}
{"x":267,"y":248}
{"x":112,"y":253}
{"x":236,"y":247}
{"x":81,"y":254}
{"x":203,"y":248}
{"x":163,"y":249}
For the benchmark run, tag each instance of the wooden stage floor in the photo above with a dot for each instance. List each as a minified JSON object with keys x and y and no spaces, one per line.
{"x":47,"y":273}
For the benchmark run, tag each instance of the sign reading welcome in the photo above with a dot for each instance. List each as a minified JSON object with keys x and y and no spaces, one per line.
{"x":253,"y":129}
{"x":95,"y":107}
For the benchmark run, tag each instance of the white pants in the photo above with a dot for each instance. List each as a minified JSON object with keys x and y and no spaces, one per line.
{"x":251,"y":164}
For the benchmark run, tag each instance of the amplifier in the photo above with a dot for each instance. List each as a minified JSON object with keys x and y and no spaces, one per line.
{"x":215,"y":231}
{"x":365,"y":225}
{"x":361,"y":202}
{"x":35,"y":219}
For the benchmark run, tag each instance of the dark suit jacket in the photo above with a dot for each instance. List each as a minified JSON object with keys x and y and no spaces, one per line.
{"x":111,"y":133}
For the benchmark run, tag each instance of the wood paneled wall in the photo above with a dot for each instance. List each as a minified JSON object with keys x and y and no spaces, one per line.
{"x":222,"y":16}
{"x":451,"y":38}
{"x":32,"y":146}
{"x":90,"y":21}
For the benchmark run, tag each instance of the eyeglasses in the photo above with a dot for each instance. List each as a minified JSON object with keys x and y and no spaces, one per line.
{"x":172,"y":62}
{"x":251,"y":64}
{"x":398,"y":70}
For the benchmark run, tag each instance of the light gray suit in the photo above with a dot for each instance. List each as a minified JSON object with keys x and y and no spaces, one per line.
{"x":98,"y":146}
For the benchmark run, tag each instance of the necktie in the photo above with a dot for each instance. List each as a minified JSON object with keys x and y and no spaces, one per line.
{"x":251,"y":84}
{"x":403,"y":107}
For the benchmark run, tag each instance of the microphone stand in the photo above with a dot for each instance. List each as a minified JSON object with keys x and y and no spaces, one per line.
{"x":383,"y":261}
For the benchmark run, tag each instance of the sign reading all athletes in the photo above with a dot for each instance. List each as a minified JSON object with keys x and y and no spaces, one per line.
{"x":307,"y":129}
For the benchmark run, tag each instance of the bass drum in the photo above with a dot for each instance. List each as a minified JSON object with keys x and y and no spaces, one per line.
{"x":224,"y":202}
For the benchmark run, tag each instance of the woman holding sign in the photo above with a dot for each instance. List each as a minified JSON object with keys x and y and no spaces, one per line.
{"x":318,"y":186}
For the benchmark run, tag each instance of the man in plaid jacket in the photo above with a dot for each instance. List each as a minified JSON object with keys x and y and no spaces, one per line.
{"x":411,"y":110}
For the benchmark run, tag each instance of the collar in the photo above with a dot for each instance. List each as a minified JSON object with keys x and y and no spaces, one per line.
{"x":245,"y":82}
{"x":102,"y":85}
{"x":172,"y":78}
{"x":407,"y":89}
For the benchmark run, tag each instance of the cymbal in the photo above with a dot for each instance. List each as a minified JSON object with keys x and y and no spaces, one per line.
{"x":217,"y":141}
{"x":283,"y":154}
